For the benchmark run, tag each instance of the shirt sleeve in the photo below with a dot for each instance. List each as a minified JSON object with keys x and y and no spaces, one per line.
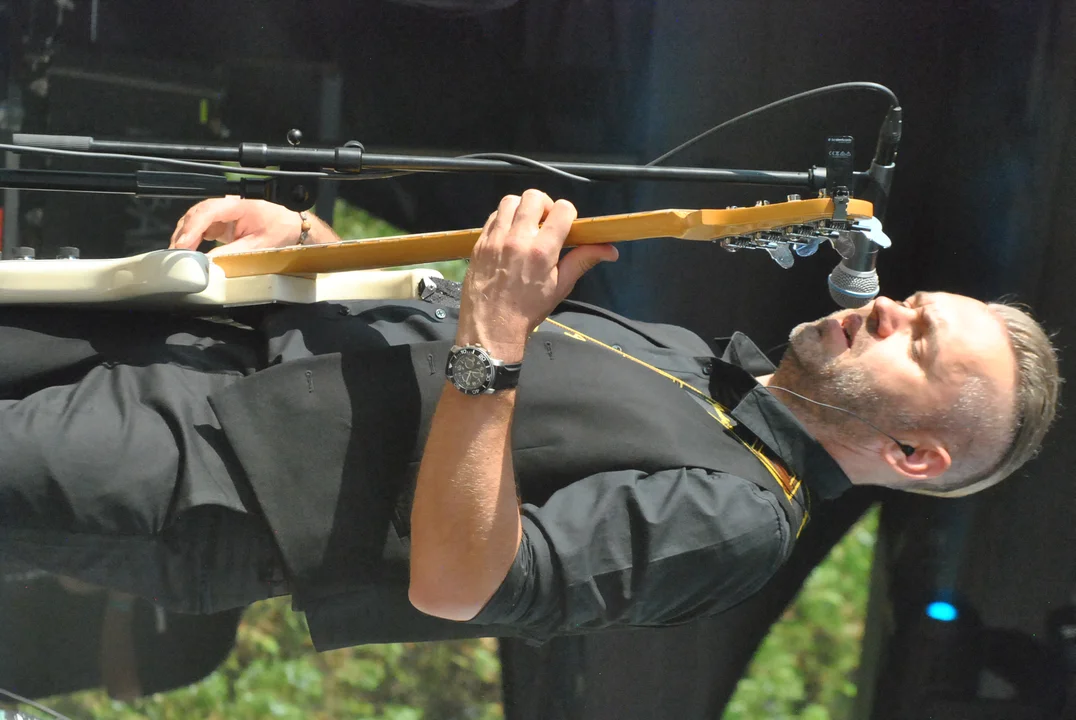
{"x":631,"y":549}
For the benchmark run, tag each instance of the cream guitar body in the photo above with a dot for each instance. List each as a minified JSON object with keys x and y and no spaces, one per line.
{"x":187,"y":279}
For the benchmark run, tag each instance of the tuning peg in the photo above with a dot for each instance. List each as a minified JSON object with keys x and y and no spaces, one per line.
{"x":807,"y":249}
{"x":782,"y":256}
{"x":793,"y":197}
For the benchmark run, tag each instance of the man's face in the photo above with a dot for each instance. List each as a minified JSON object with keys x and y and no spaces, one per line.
{"x":892,"y":360}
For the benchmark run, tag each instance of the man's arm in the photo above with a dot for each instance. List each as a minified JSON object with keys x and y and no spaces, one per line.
{"x":630,"y":548}
{"x":465,"y":525}
{"x":242,"y":225}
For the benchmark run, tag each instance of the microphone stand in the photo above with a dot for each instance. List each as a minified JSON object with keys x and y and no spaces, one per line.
{"x":299,"y":191}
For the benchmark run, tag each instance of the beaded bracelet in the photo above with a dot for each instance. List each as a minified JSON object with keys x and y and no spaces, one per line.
{"x":304,"y":228}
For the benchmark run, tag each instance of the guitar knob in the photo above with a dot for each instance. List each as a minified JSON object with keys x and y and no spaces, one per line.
{"x":25,"y":253}
{"x":67,"y":253}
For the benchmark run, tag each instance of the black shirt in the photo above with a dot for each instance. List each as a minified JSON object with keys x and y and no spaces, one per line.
{"x":637,"y":549}
{"x":639,"y":506}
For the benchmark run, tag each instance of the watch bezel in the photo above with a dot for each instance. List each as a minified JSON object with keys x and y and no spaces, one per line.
{"x":487,"y":362}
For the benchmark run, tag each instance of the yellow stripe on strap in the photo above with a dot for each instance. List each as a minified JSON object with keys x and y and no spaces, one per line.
{"x":722,"y":414}
{"x":789,"y":483}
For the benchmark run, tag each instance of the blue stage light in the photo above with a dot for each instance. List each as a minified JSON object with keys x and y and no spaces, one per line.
{"x":942,"y":612}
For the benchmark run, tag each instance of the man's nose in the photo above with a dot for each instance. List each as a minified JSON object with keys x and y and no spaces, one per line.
{"x":891,"y":317}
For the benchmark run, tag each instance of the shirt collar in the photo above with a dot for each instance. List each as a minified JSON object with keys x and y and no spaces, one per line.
{"x":772,"y":422}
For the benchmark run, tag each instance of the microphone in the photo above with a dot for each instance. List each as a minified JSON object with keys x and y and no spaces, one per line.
{"x":854,"y":282}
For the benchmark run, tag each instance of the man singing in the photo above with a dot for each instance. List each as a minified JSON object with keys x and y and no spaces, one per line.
{"x":520,"y":466}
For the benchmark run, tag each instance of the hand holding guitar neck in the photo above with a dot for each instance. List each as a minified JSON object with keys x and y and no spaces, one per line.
{"x":517,"y":276}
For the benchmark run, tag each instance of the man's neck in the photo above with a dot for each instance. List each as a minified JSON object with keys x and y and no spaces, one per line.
{"x":849,"y":458}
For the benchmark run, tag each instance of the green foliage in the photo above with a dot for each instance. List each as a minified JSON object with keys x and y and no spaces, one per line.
{"x":804,"y":668}
{"x":274,"y":672}
{"x":352,"y":223}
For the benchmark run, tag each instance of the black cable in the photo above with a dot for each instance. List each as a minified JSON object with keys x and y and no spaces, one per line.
{"x":319,"y":174}
{"x":824,"y":90}
{"x":506,"y":157}
{"x":520,"y":160}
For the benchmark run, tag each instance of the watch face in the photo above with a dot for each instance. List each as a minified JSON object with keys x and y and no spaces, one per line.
{"x":471,"y":371}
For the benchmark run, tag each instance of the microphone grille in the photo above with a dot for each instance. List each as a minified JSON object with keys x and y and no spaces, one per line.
{"x":852,"y":288}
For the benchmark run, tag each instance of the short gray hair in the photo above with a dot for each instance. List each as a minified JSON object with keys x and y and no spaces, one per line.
{"x":1018,"y":430}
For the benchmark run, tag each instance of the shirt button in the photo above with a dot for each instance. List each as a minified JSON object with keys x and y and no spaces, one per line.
{"x":440,"y":313}
{"x":618,"y":348}
{"x":707,"y":368}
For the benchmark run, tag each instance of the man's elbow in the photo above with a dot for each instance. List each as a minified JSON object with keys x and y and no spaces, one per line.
{"x":443,"y":603}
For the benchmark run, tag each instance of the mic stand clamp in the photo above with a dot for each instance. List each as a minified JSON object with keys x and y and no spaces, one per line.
{"x":803,"y":240}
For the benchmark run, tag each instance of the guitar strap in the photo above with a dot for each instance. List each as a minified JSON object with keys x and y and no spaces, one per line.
{"x":790,"y":487}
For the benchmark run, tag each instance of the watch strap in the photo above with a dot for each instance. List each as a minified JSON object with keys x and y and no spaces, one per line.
{"x":506,"y":375}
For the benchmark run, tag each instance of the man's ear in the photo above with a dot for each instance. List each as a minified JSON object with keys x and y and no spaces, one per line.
{"x":930,"y":460}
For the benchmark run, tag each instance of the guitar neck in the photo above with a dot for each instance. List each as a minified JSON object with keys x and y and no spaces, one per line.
{"x":402,"y":250}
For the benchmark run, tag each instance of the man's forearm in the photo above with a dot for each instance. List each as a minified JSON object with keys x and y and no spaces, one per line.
{"x":321,"y":233}
{"x":465,"y":527}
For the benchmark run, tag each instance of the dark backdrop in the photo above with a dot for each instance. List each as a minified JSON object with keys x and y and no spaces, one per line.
{"x":981,"y":205}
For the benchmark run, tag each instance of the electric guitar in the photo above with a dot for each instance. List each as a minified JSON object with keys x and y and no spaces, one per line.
{"x":338,"y":271}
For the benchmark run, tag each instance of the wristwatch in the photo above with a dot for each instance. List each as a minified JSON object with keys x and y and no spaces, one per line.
{"x":473,"y":372}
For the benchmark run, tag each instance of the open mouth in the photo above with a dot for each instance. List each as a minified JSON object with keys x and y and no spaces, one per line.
{"x":850,"y":326}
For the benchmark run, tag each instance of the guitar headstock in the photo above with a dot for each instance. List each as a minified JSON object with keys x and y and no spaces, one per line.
{"x":793,"y":228}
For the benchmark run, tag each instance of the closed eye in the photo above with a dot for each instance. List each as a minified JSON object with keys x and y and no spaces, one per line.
{"x":917,"y":327}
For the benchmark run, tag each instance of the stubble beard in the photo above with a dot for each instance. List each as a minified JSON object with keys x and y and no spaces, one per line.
{"x":806,"y":369}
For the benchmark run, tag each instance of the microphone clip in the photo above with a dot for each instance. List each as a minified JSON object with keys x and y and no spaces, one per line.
{"x":863,"y":232}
